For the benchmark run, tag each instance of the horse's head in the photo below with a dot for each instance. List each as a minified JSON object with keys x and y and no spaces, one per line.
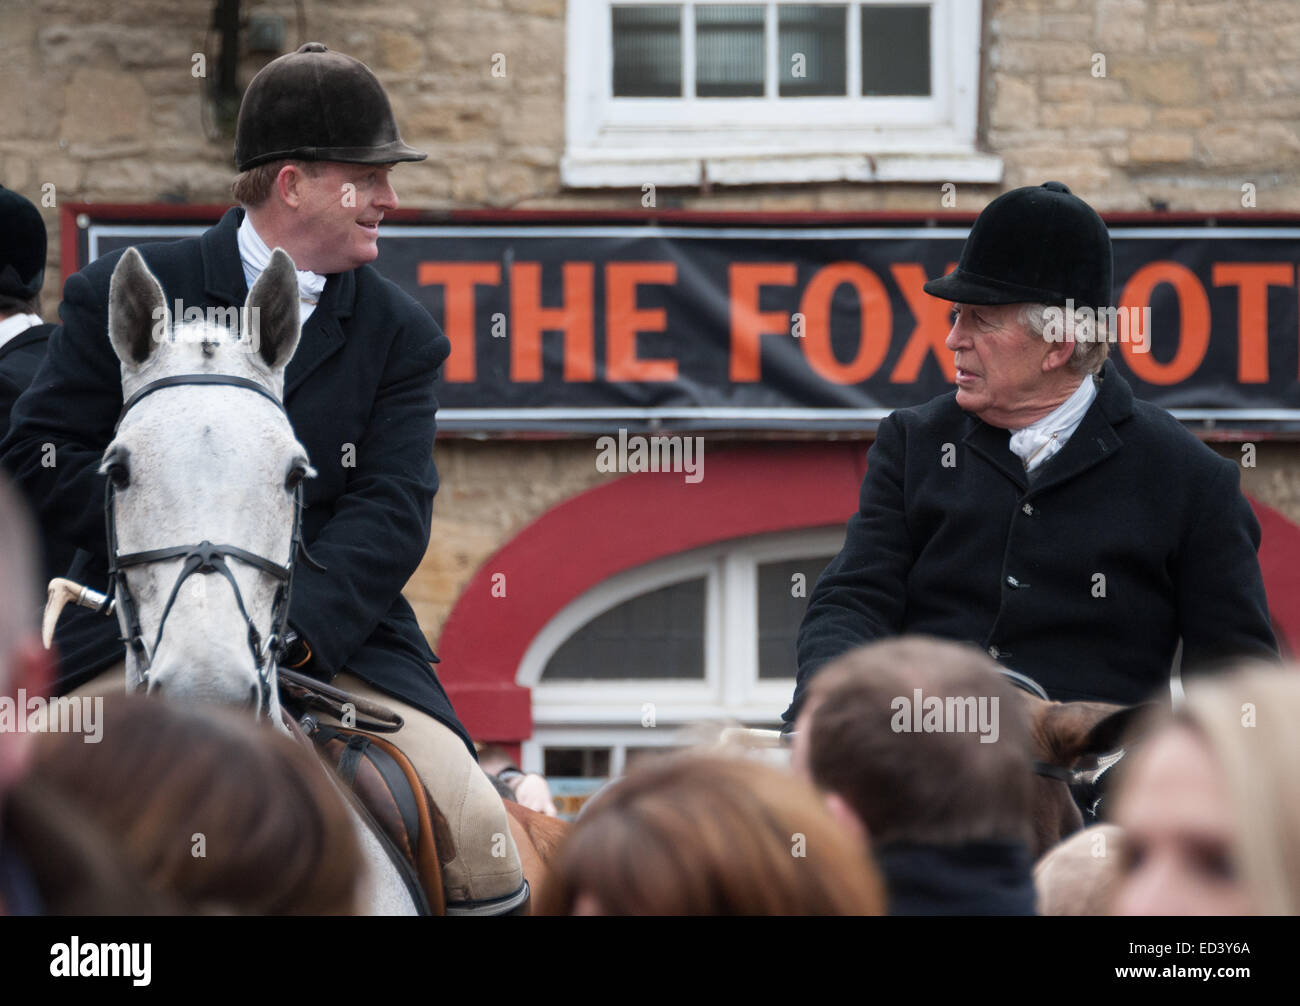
{"x":199,"y":461}
{"x":1071,"y":742}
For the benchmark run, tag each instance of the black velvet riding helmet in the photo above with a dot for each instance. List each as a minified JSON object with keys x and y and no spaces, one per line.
{"x":1040,"y":244}
{"x":318,"y":105}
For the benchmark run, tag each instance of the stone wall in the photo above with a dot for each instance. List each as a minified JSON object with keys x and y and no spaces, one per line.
{"x":1198,"y":98}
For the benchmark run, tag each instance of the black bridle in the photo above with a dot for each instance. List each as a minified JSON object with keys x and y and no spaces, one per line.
{"x":204,"y":558}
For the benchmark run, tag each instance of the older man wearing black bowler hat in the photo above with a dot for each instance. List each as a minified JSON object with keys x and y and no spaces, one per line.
{"x":1040,"y":511}
{"x":314,"y":145}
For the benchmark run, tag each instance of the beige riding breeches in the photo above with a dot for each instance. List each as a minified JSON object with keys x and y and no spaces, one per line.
{"x":486,"y":865}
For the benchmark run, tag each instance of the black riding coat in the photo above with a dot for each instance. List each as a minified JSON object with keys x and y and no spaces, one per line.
{"x":1132,"y":535}
{"x":19,"y":359}
{"x":363,"y":375}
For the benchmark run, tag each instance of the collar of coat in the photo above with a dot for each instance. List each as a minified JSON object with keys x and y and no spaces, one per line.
{"x":1092,"y":443}
{"x":223,"y":281}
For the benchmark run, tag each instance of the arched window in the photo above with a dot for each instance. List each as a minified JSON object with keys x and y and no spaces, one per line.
{"x":703,"y":635}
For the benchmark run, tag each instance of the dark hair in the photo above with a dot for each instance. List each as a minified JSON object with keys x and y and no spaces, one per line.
{"x":16,"y":305}
{"x":940,"y":787}
{"x":277,"y":837}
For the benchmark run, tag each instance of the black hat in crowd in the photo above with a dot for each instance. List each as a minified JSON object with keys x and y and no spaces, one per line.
{"x":1040,"y":244}
{"x":317,"y":105}
{"x":22,"y":247}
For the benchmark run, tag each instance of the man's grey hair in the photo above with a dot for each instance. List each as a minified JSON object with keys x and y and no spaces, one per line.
{"x":1091,"y":331}
{"x":19,"y":589}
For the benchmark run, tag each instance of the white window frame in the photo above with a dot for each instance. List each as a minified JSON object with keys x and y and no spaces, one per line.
{"x":632,"y":142}
{"x":609,"y":713}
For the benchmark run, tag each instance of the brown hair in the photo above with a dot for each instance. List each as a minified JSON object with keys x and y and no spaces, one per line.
{"x":942,"y":787}
{"x":253,"y":187}
{"x":277,"y":838}
{"x":697,"y":834}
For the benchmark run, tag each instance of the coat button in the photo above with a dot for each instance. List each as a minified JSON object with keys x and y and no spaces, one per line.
{"x":993,"y":652}
{"x":1028,"y":509}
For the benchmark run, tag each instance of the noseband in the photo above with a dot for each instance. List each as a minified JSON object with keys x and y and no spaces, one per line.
{"x":205,"y":557}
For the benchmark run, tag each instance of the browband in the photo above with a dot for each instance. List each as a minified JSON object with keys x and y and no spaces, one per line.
{"x":176,"y":380}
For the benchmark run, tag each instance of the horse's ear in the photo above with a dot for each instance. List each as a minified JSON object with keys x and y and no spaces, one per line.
{"x":271,"y":325}
{"x":1117,"y":729}
{"x":1076,"y":730}
{"x":138,"y":318}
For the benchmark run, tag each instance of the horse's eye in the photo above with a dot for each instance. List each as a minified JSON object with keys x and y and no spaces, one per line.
{"x":118,"y":474}
{"x":294,"y":479}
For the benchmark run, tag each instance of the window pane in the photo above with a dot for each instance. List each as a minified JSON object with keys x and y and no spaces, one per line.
{"x":576,"y":763}
{"x":729,"y":51}
{"x":780,"y":610}
{"x":812,"y":50}
{"x":896,"y":50}
{"x":659,"y":635}
{"x":647,"y":52}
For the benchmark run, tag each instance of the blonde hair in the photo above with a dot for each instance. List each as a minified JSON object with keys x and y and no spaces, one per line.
{"x":1248,"y":719}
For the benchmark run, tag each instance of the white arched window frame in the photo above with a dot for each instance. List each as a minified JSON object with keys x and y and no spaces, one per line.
{"x":610,"y":714}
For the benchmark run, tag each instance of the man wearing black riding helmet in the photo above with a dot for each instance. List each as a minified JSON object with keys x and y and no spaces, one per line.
{"x":1040,"y":511}
{"x":314,"y":145}
{"x":23,"y":335}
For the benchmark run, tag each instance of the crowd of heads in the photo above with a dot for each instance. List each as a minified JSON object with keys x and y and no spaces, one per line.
{"x":887,"y":804}
{"x":1201,"y":814}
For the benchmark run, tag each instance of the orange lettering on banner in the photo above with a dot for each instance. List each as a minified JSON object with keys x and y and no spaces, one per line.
{"x":748,"y":323}
{"x":623,"y":320}
{"x":1193,"y":319}
{"x":528,"y":320}
{"x":932,"y":325}
{"x":459,"y":280}
{"x":877,"y":322}
{"x":1252,"y":280}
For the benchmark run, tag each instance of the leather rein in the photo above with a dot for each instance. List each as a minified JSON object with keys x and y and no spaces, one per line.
{"x":204,"y":558}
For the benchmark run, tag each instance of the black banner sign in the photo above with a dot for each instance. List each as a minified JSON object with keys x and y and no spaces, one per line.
{"x":595,"y":327}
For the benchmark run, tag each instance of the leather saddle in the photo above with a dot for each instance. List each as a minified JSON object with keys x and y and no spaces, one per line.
{"x":387,"y":791}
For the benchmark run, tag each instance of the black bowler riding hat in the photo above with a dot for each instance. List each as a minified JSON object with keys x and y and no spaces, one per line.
{"x":1040,"y":244}
{"x":22,"y":247}
{"x":317,"y":105}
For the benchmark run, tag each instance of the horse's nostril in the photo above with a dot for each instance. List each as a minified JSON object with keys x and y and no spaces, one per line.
{"x":254,"y":696}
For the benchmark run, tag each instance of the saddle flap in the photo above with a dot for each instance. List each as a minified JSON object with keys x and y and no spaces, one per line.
{"x":388,"y":787}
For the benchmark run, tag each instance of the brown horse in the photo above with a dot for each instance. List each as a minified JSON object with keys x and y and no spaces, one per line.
{"x":538,"y":837}
{"x":1073,"y":741}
